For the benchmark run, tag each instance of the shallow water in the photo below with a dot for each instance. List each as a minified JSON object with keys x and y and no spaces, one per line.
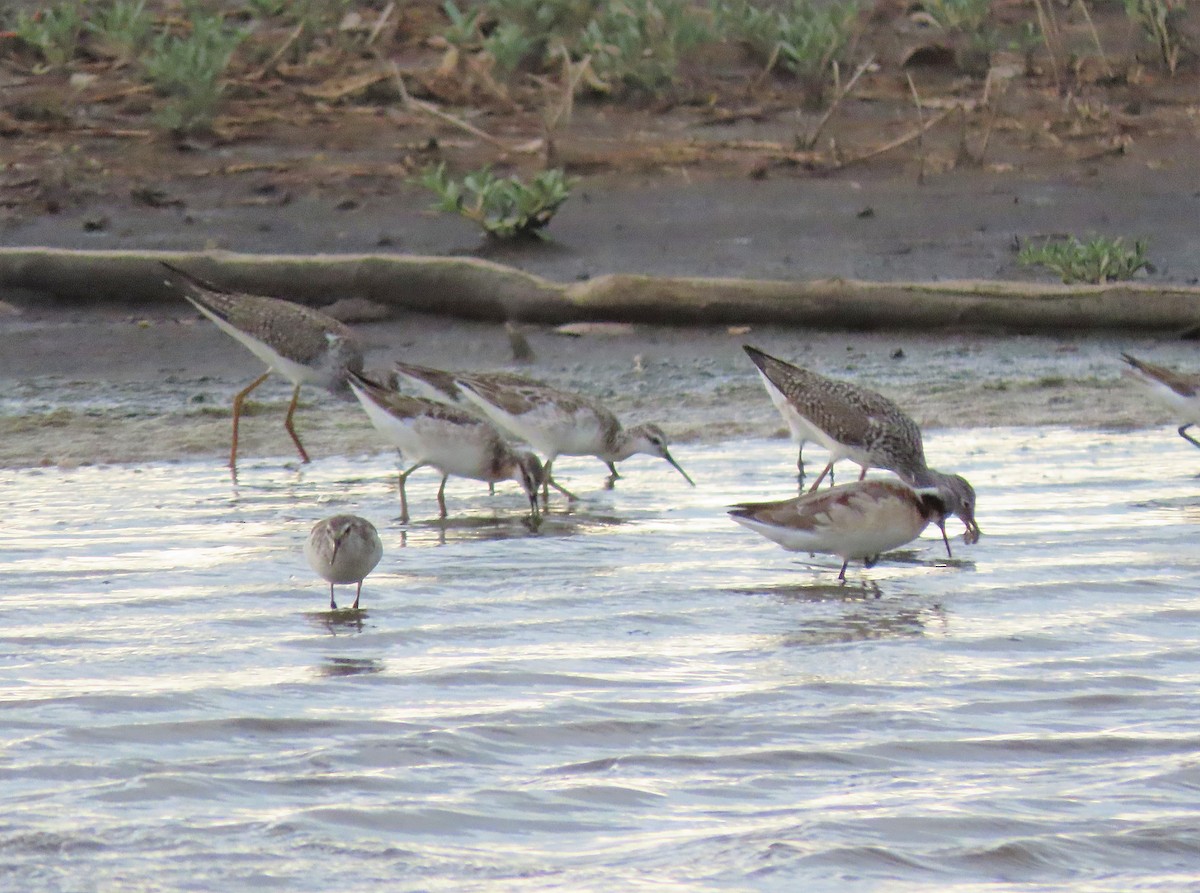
{"x":641,"y":696}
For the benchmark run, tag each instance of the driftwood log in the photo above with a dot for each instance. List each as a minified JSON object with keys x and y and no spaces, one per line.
{"x":477,"y":289}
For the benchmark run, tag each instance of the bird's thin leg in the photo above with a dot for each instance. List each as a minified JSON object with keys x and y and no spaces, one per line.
{"x":945,"y":539}
{"x":357,"y":595}
{"x":404,"y":496}
{"x":820,"y":477}
{"x":332,"y":603}
{"x":546,"y":484}
{"x":1183,"y":433}
{"x":613,"y":476}
{"x":442,"y":496}
{"x":287,"y":423}
{"x":862,"y":474}
{"x":842,"y":573}
{"x":800,"y":467}
{"x":571,"y":497}
{"x":237,"y":414}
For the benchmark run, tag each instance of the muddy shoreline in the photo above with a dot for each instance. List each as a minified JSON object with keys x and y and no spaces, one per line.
{"x":125,"y":384}
{"x":131,"y":383}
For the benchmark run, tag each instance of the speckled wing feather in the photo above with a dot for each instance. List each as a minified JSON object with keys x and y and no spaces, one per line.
{"x":853,"y":414}
{"x":296,"y":332}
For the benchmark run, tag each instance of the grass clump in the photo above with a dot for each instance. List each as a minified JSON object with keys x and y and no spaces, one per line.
{"x":637,"y":44}
{"x":189,"y":70}
{"x":1158,"y":21}
{"x":504,"y":207}
{"x":1099,"y":259}
{"x":53,"y":31}
{"x":627,"y":44}
{"x":311,"y":19}
{"x":799,"y":36}
{"x":965,"y":16}
{"x":122,"y":28}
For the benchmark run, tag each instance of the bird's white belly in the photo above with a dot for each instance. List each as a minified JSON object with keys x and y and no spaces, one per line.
{"x":860,"y":530}
{"x":296,"y":373}
{"x":1186,"y":409}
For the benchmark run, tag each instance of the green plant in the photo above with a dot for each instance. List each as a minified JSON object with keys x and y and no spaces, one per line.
{"x":1099,"y":259}
{"x":504,"y":207}
{"x":628,"y":43}
{"x":801,"y":37}
{"x":53,"y":31}
{"x":464,"y":30}
{"x":189,"y":70}
{"x":509,"y":45}
{"x":267,"y":9}
{"x":1157,"y":19}
{"x":123,"y":26}
{"x":966,"y":16}
{"x":638,"y":43}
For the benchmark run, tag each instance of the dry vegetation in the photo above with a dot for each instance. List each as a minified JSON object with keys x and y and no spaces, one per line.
{"x":331,"y":95}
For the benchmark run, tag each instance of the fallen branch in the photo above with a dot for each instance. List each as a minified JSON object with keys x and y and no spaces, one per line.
{"x":469,"y":288}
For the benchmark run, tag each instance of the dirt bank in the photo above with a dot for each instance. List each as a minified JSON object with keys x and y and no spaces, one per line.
{"x":135,"y":384}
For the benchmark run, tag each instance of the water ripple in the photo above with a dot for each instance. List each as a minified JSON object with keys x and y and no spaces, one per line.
{"x":637,"y":696}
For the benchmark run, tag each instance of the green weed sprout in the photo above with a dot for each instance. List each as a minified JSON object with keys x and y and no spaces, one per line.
{"x":504,"y":207}
{"x":1099,"y":259}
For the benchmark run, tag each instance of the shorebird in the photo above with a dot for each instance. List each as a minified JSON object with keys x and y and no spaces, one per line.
{"x":343,"y":549}
{"x":858,"y":424}
{"x":301,"y":344}
{"x":449,"y":439}
{"x":857,"y":520}
{"x":439,"y":385}
{"x":1178,"y":391}
{"x":562,"y":423}
{"x":798,"y":426}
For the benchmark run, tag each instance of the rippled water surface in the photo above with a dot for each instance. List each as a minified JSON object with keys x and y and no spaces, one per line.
{"x":641,"y":696}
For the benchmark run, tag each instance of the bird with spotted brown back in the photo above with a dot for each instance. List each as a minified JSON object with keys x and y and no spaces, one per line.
{"x":1178,"y":391}
{"x":856,"y":423}
{"x":857,"y":520}
{"x":303,"y":345}
{"x":557,"y":423}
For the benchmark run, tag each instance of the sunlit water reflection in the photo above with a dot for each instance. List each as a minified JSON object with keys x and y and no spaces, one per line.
{"x":642,"y":695}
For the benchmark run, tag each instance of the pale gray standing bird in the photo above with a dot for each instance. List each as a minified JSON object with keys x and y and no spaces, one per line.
{"x":343,"y":549}
{"x":303,"y":345}
{"x":451,"y":440}
{"x":439,"y":385}
{"x":562,"y":423}
{"x":858,"y":424}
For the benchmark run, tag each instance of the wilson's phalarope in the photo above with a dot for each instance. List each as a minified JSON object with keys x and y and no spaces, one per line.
{"x":343,"y":549}
{"x":1178,"y":391}
{"x":439,"y":385}
{"x":561,"y":423}
{"x":857,"y":520}
{"x":449,"y":439}
{"x":301,"y":344}
{"x":858,"y":424}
